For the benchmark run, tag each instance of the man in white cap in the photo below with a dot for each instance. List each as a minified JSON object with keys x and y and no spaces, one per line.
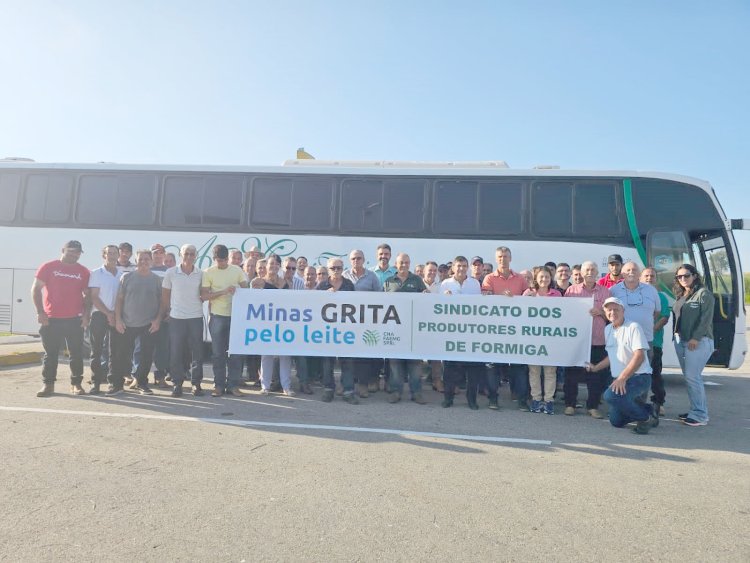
{"x":626,"y":356}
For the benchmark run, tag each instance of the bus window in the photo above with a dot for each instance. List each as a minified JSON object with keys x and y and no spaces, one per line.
{"x":383,"y":206}
{"x":293,"y":203}
{"x":361,"y":205}
{"x":47,"y":197}
{"x":403,"y":206}
{"x":595,"y":210}
{"x":202,"y":200}
{"x":10,"y":185}
{"x":455,"y":207}
{"x":666,"y":251}
{"x":116,"y":200}
{"x":552,"y":209}
{"x":501,"y":209}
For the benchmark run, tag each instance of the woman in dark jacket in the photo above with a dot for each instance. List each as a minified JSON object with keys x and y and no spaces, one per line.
{"x":693,"y":338}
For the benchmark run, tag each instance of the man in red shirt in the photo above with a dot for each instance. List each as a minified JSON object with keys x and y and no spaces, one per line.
{"x":507,"y":283}
{"x":614,"y":276}
{"x":61,"y":297}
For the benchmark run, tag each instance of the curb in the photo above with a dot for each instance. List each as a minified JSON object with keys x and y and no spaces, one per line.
{"x":19,"y":358}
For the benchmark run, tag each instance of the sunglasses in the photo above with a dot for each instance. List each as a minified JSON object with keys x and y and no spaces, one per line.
{"x":683,"y":276}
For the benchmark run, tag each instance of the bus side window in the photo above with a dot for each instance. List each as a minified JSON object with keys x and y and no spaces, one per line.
{"x":47,"y":197}
{"x":10,"y":186}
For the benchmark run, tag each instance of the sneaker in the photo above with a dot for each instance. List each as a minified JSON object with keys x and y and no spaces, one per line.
{"x":419,"y":399}
{"x":683,"y":416}
{"x":327,"y":395}
{"x":133,"y":384}
{"x":351,"y":398}
{"x":306,"y":389}
{"x":177,"y":390}
{"x":394,"y":397}
{"x":197,"y":391}
{"x":95,"y":389}
{"x":594,"y":413}
{"x":447,"y":403}
{"x":692,"y":422}
{"x":217,"y":392}
{"x":655,"y":415}
{"x":549,"y":407}
{"x":114,"y":390}
{"x":523,"y":406}
{"x":662,"y":412}
{"x":493,"y":405}
{"x":536,"y":406}
{"x":474,"y":406}
{"x":235,"y":392}
{"x":265,"y":392}
{"x":47,"y":390}
{"x":76,"y":389}
{"x":569,"y":411}
{"x":643,"y":426}
{"x":289,"y":393}
{"x":145,"y":390}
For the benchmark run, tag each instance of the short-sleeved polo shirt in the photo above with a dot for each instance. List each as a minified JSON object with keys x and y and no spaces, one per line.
{"x":185,"y":302}
{"x":499,"y":284}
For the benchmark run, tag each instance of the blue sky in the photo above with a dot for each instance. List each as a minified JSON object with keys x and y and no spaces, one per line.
{"x":587,"y":85}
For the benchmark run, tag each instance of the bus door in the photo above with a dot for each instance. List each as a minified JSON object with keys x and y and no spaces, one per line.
{"x":718,"y":270}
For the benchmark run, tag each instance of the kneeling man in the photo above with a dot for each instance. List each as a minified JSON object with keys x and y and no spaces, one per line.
{"x":626,"y":346}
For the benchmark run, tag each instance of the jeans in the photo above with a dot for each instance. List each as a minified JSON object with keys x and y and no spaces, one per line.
{"x":692,"y":363}
{"x":102,"y":346}
{"x":218,"y":326}
{"x":186,"y":337}
{"x":54,"y":335}
{"x":123,"y":359}
{"x":161,"y":353}
{"x":347,"y":374}
{"x":518,"y":378}
{"x":659,"y":394}
{"x":399,"y":369}
{"x":595,"y":382}
{"x":629,"y":407}
{"x":366,"y":370}
{"x":454,"y":372}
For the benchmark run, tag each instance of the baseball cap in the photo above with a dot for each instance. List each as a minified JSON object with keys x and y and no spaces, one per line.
{"x":477,"y":259}
{"x":613,"y":301}
{"x":614,"y":258}
{"x":157,"y":246}
{"x":73,"y":244}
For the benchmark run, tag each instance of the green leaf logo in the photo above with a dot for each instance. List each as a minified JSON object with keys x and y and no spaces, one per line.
{"x":371,"y":337}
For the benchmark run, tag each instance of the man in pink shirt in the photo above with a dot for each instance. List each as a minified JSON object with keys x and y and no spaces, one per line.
{"x":507,"y":283}
{"x":595,"y":382}
{"x":61,"y":297}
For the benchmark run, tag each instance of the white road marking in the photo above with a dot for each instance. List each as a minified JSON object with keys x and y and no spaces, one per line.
{"x":494,"y":439}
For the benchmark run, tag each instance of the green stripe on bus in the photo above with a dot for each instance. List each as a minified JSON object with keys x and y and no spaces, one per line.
{"x":627,"y":185}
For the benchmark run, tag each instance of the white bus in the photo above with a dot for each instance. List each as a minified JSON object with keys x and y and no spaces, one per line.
{"x":320,"y":209}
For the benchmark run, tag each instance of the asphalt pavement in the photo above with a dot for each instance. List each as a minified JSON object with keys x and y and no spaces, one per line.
{"x":152,"y":478}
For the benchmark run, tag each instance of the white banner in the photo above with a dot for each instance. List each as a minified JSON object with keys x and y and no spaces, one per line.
{"x":524,"y":330}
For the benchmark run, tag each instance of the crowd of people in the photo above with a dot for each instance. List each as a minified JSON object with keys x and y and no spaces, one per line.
{"x":150,"y":313}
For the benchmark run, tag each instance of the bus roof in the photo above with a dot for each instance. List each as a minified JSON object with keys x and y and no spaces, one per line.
{"x":357,"y":168}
